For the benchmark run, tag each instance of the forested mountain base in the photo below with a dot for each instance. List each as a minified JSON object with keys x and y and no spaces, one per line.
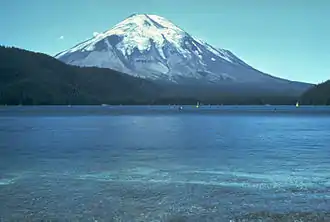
{"x":30,"y":78}
{"x":318,"y":95}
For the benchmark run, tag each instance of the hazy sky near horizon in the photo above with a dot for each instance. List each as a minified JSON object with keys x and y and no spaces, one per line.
{"x":285,"y":38}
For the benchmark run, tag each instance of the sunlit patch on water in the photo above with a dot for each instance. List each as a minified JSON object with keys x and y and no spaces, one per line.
{"x":6,"y":181}
{"x":278,"y":181}
{"x":271,"y":180}
{"x":9,"y":179}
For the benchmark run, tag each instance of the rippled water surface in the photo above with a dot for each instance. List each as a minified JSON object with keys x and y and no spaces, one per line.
{"x":162,"y":164}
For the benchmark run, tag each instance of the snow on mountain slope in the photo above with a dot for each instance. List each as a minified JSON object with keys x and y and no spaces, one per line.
{"x":152,"y":47}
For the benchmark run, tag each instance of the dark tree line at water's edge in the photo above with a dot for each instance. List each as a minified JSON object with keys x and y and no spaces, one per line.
{"x":318,"y":95}
{"x":30,"y":78}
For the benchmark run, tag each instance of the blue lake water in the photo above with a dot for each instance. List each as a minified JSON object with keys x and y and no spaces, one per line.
{"x":219,"y":163}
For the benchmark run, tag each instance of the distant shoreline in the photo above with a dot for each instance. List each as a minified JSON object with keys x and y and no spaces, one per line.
{"x":202,"y":105}
{"x":117,"y":110}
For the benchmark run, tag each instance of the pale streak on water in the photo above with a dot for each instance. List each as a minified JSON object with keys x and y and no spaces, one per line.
{"x":161,"y":164}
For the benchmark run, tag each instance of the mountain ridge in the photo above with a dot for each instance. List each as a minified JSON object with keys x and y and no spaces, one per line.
{"x":152,"y":47}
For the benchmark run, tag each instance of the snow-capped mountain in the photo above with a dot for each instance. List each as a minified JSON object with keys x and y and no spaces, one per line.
{"x":152,"y":47}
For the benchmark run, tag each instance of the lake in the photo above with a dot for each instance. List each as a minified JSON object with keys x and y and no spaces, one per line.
{"x":157,"y":163}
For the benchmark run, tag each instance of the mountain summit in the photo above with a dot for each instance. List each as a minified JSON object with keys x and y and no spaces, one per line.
{"x":152,"y":47}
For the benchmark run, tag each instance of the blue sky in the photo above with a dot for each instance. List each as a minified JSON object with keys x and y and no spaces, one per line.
{"x":285,"y":38}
